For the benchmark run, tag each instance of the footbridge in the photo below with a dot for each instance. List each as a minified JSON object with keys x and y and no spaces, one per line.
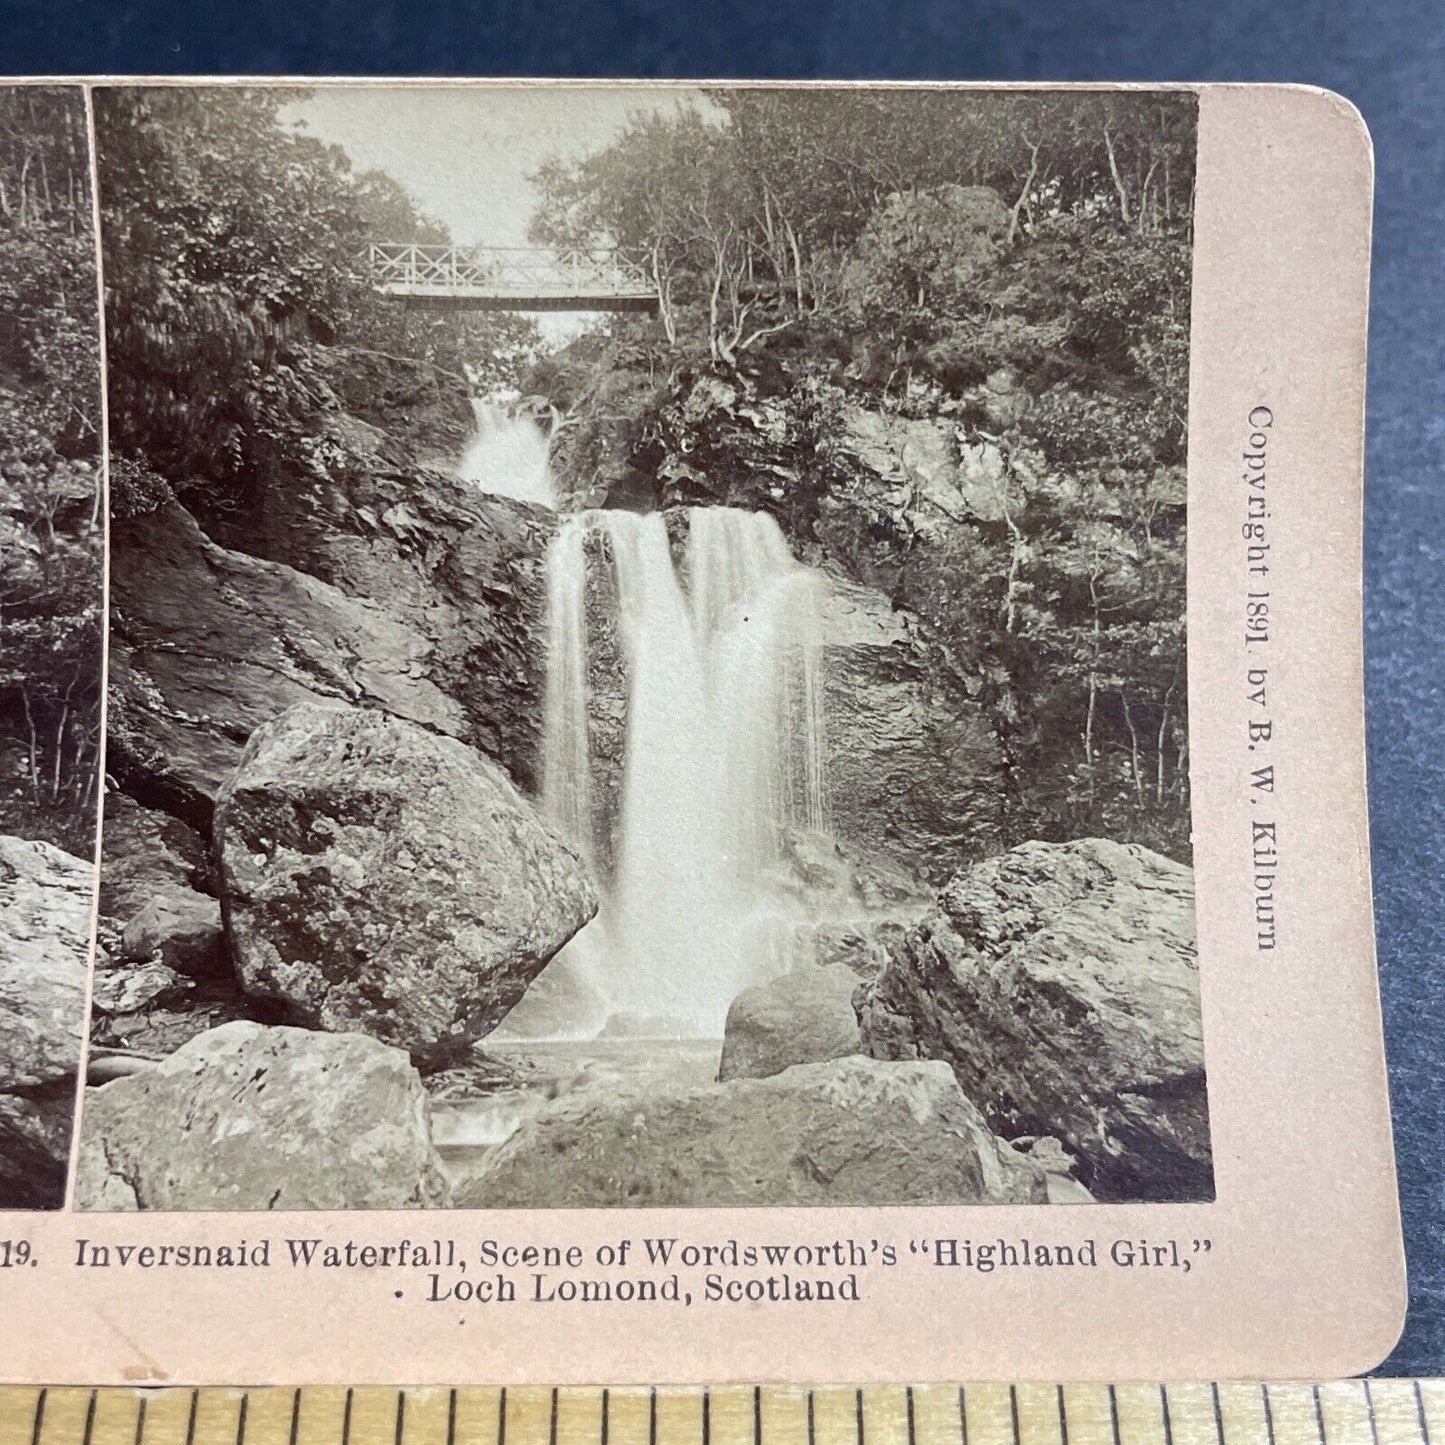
{"x":508,"y":278}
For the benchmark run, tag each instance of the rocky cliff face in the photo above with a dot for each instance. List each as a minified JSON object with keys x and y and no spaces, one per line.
{"x":397,"y":590}
{"x":907,"y":773}
{"x":1061,"y":983}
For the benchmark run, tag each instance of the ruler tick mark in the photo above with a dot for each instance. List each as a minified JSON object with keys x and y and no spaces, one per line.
{"x":1419,"y":1410}
{"x":400,"y":1415}
{"x":858,"y":1412}
{"x":963,"y":1415}
{"x":757,"y":1415}
{"x":1319,"y":1414}
{"x":551,"y":1423}
{"x":191,"y":1419}
{"x":652,"y":1416}
{"x":1164,"y":1416}
{"x":140,"y":1420}
{"x":706,"y":1417}
{"x":605,"y":1402}
{"x":89,"y":1419}
{"x":1114,"y":1414}
{"x":346,"y":1421}
{"x":39,"y":1418}
{"x":241,"y":1421}
{"x":1218,"y":1412}
{"x":912,"y":1433}
{"x":451,"y":1418}
{"x":296,"y":1418}
{"x":1063,"y":1418}
{"x":1268,"y":1414}
{"x":1013,"y":1410}
{"x":811,"y":1440}
{"x":502,"y":1417}
{"x":1370,"y":1410}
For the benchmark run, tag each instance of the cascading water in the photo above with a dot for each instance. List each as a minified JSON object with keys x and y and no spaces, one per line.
{"x":507,"y":455}
{"x":723,"y":752}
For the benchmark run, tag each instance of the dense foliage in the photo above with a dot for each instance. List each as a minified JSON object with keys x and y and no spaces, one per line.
{"x":50,"y":478}
{"x":1013,"y":266}
{"x":238,"y":290}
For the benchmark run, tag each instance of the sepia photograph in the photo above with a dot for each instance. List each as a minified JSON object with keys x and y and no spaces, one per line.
{"x":52,"y":611}
{"x":647,"y":644}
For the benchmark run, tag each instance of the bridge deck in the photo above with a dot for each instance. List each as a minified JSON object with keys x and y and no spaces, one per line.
{"x":500,"y":278}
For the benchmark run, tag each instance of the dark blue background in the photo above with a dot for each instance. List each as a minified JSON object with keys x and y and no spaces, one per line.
{"x":1387,"y":57}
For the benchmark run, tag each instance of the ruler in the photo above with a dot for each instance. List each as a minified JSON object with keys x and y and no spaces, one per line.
{"x":1351,"y":1412}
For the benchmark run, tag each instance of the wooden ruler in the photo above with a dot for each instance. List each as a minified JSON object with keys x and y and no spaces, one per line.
{"x":1352,"y":1412}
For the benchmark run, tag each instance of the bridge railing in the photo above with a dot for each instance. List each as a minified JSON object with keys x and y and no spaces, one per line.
{"x":504,"y":270}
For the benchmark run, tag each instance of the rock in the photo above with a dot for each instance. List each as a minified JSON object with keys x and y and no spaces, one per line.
{"x":983,"y":481}
{"x":382,"y":879}
{"x":182,"y":930}
{"x":909,"y":774}
{"x":459,"y":571}
{"x":208,"y":644}
{"x":45,"y":911}
{"x":142,"y":853}
{"x":853,"y":878}
{"x":924,"y":472}
{"x":1058,"y":1169}
{"x":246,"y":1117}
{"x":160,"y":1023}
{"x":421,"y":407}
{"x":1001,"y":398}
{"x":802,"y":1017}
{"x":35,"y":1146}
{"x":132,"y":987}
{"x":1060,"y":981}
{"x":848,"y":1132}
{"x":863,"y":944}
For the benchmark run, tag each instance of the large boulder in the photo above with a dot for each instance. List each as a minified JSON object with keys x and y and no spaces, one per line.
{"x":1060,"y":982}
{"x":45,"y":910}
{"x":246,"y":1117}
{"x":380,"y":878}
{"x":848,"y":1132}
{"x":802,"y":1017}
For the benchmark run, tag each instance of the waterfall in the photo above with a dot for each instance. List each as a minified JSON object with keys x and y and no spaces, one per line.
{"x":507,"y":455}
{"x":723,"y":752}
{"x":566,"y":768}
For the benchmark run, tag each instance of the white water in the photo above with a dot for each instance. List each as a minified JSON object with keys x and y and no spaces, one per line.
{"x":724,"y":750}
{"x":507,"y":455}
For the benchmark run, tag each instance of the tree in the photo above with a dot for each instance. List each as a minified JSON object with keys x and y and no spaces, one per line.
{"x":50,"y":477}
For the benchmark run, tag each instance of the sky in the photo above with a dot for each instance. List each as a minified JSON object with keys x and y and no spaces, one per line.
{"x":465,"y":154}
